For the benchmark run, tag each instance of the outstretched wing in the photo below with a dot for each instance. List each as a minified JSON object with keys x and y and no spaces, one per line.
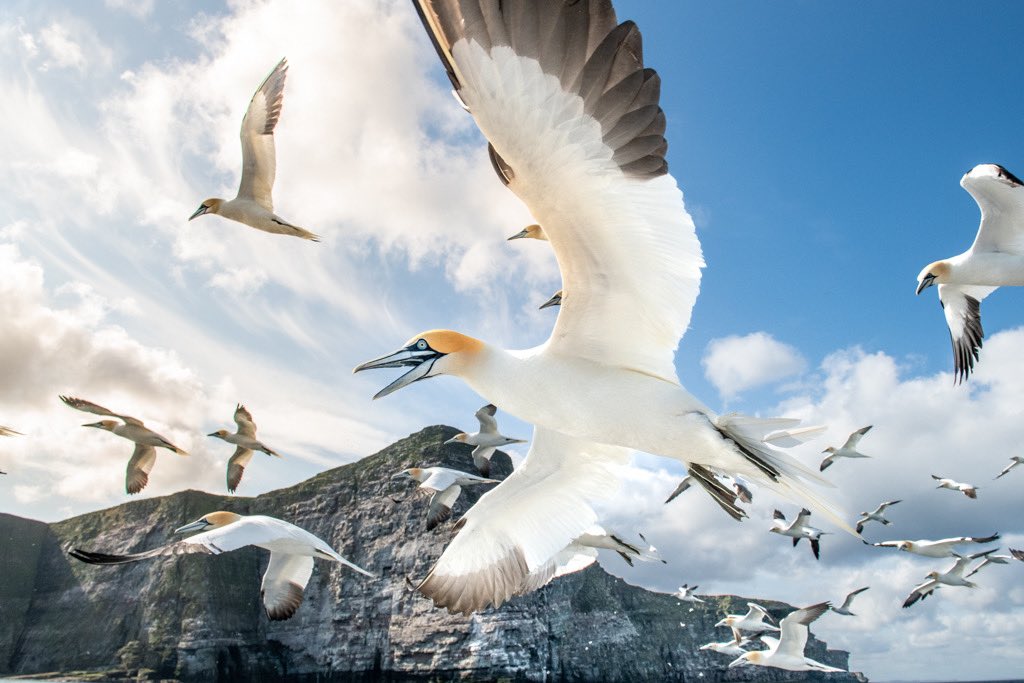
{"x":482,"y":459}
{"x":243,"y":418}
{"x":488,"y":425}
{"x":961,"y":305}
{"x":259,"y":160}
{"x":284,"y":584}
{"x":139,"y":467}
{"x":849,"y":598}
{"x":95,"y":409}
{"x":236,"y":467}
{"x":854,"y":439}
{"x":441,"y":504}
{"x":794,"y":629}
{"x":560,"y":91}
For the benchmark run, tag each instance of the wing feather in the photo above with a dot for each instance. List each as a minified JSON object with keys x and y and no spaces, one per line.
{"x":284,"y":584}
{"x":259,"y":160}
{"x":961,"y":305}
{"x":139,"y":467}
{"x":236,"y":467}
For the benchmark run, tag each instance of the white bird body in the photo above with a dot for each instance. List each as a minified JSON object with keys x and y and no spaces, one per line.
{"x":989,"y":559}
{"x":729,"y":647}
{"x":968,"y":490}
{"x":444,"y":486}
{"x":798,"y":529}
{"x":686,"y":593}
{"x":847,"y":450}
{"x":940,"y":548}
{"x":486,"y":440}
{"x":751,"y":622}
{"x":876,"y":515}
{"x":788,"y":651}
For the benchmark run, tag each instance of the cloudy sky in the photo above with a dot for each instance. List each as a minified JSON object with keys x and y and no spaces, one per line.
{"x":819,"y":147}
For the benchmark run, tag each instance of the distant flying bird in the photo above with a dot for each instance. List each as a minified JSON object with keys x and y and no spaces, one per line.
{"x":486,"y":440}
{"x":1014,"y":461}
{"x":797,"y":529}
{"x":291,"y":554}
{"x":989,"y":559}
{"x":876,"y":515}
{"x":754,"y":621}
{"x":788,"y":651}
{"x":533,"y":232}
{"x":996,"y":259}
{"x":847,"y":450}
{"x":724,"y":496}
{"x":968,"y":490}
{"x":254,"y":206}
{"x":686,"y":593}
{"x":1017,"y":554}
{"x":733,"y":648}
{"x":443,"y":485}
{"x":844,"y":609}
{"x":941,"y":548}
{"x":555,"y":300}
{"x":145,"y":439}
{"x":954,"y":576}
{"x":245,"y":440}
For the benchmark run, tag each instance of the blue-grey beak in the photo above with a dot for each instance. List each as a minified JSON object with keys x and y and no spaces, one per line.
{"x":519,"y":235}
{"x":555,"y":300}
{"x":203,"y":208}
{"x":417,"y":356}
{"x":926,"y":282}
{"x":194,"y":526}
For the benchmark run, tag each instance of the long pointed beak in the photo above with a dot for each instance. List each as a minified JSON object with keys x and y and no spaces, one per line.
{"x":194,"y":526}
{"x":214,"y":434}
{"x":451,"y":440}
{"x":421,"y":361}
{"x":518,"y":440}
{"x":926,"y":282}
{"x":94,"y":424}
{"x":740,"y":661}
{"x":555,"y":300}
{"x":519,"y":235}
{"x":199,"y":212}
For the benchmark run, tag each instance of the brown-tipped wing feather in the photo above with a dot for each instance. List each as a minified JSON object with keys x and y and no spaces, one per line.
{"x":236,"y":467}
{"x":139,"y":467}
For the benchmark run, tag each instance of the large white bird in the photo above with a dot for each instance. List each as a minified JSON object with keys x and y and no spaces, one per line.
{"x":244,"y":438}
{"x":145,"y":439}
{"x":844,"y":609}
{"x":876,"y":515}
{"x":754,"y":621}
{"x":797,"y":529}
{"x":733,"y":648}
{"x":1014,"y":461}
{"x":291,"y":554}
{"x":954,"y":576}
{"x":575,"y":130}
{"x":847,"y":450}
{"x":686,"y":593}
{"x":941,"y":548}
{"x":444,"y":486}
{"x":788,"y":651}
{"x":996,"y":259}
{"x":486,"y":441}
{"x":969,"y":490}
{"x":254,"y":205}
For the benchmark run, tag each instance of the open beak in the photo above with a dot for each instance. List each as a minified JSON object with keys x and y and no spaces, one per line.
{"x":200,"y":211}
{"x":926,"y":282}
{"x":420,"y":360}
{"x":519,"y":235}
{"x":194,"y":526}
{"x":555,"y":300}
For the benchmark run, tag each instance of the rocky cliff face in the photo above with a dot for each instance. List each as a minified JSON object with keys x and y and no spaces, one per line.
{"x":200,"y":617}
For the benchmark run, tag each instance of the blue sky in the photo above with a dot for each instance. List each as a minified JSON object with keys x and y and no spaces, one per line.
{"x":819,"y":147}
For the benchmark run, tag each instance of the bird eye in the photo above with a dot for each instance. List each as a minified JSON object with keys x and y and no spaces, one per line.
{"x":421,"y":345}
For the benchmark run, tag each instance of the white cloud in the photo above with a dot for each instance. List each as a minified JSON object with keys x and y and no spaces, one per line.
{"x":737,"y":363}
{"x":61,"y":48}
{"x":139,"y":9}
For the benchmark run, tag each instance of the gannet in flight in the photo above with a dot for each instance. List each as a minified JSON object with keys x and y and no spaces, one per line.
{"x":989,"y":559}
{"x":922,"y":590}
{"x":751,"y":622}
{"x":847,"y":450}
{"x":291,"y":554}
{"x":444,"y":486}
{"x":942,"y":548}
{"x":733,"y":648}
{"x":1014,"y":461}
{"x":245,"y":440}
{"x":533,"y":232}
{"x":844,"y":609}
{"x":486,"y":440}
{"x":686,"y":593}
{"x":725,"y":497}
{"x":788,"y":651}
{"x":968,"y":490}
{"x":876,"y":515}
{"x":145,"y":439}
{"x":254,"y":206}
{"x":797,"y":529}
{"x":954,"y":576}
{"x":575,"y":130}
{"x":996,"y":259}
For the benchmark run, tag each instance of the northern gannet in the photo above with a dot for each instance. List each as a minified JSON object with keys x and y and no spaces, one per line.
{"x":996,"y":259}
{"x":733,"y":648}
{"x":245,"y":440}
{"x":726,"y":497}
{"x":968,"y":490}
{"x":954,"y":576}
{"x":788,"y":651}
{"x":145,"y":439}
{"x":989,"y":559}
{"x":921,"y":591}
{"x":575,"y":130}
{"x":533,"y":232}
{"x":941,"y":548}
{"x":444,"y":486}
{"x":847,"y":450}
{"x":291,"y":554}
{"x":751,"y":622}
{"x":876,"y":515}
{"x":797,"y":529}
{"x":844,"y":609}
{"x":486,"y":440}
{"x":254,"y":205}
{"x":1014,"y":461}
{"x":686,"y":593}
{"x":555,"y":300}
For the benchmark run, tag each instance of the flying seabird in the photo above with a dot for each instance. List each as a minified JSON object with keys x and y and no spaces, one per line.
{"x":245,"y":440}
{"x":145,"y":439}
{"x":844,"y":609}
{"x":797,"y":529}
{"x":686,"y":593}
{"x":847,"y":450}
{"x":876,"y":515}
{"x":954,"y":576}
{"x":443,"y":485}
{"x":291,"y":554}
{"x":486,"y":440}
{"x":533,"y":232}
{"x":996,"y":259}
{"x":733,"y":648}
{"x":968,"y":490}
{"x":941,"y":548}
{"x":751,"y":622}
{"x":788,"y":651}
{"x":989,"y":559}
{"x":922,"y":590}
{"x":726,"y":497}
{"x":1014,"y":461}
{"x":253,"y":205}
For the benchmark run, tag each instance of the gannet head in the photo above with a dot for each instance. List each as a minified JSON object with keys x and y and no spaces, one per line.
{"x":933,"y":274}
{"x":103,"y":424}
{"x":458,"y":438}
{"x":727,"y":621}
{"x":753,"y":657}
{"x":213,"y":520}
{"x":533,"y":232}
{"x":431,"y":353}
{"x":905,"y":545}
{"x":989,"y":179}
{"x":220,"y":433}
{"x":211,"y":205}
{"x":555,"y":300}
{"x":415,"y":473}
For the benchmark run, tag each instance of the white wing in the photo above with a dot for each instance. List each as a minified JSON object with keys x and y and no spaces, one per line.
{"x":284,"y":584}
{"x":851,"y":443}
{"x":488,"y":425}
{"x":1002,"y":217}
{"x":572,"y":559}
{"x":519,"y":525}
{"x":441,"y":504}
{"x":961,"y":305}
{"x":441,"y":478}
{"x":575,"y":129}
{"x":243,"y":418}
{"x":849,"y":598}
{"x":259,"y":161}
{"x":482,"y":459}
{"x":793,"y":637}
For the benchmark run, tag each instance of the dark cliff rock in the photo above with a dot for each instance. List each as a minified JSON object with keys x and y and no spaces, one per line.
{"x":200,"y":617}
